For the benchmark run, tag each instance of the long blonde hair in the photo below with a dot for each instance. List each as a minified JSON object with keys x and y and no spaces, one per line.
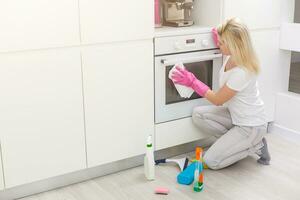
{"x":235,"y":35}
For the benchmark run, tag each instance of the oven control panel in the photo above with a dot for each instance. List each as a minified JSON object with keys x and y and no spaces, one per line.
{"x":185,"y":43}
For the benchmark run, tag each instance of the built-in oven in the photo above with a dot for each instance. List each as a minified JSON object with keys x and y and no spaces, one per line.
{"x":200,"y":56}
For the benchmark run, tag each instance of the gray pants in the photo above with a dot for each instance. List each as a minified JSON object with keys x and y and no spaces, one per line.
{"x":234,"y":142}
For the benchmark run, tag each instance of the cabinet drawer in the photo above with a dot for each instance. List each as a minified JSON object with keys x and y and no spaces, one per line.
{"x":176,"y":132}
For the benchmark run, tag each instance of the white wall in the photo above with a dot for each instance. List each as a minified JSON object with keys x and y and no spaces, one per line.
{"x":287,"y":113}
{"x":287,"y":109}
{"x":274,"y":67}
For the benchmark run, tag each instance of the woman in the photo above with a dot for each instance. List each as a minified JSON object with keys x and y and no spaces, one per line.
{"x":237,"y":117}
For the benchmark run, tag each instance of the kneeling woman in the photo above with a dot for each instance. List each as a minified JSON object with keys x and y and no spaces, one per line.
{"x":237,"y":117}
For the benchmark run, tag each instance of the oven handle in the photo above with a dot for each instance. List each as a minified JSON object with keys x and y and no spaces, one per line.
{"x":190,"y":60}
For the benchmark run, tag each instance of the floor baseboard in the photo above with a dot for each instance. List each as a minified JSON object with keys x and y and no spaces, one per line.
{"x":284,"y":131}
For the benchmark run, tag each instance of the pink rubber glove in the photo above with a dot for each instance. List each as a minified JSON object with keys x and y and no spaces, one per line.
{"x":184,"y":77}
{"x":215,"y":36}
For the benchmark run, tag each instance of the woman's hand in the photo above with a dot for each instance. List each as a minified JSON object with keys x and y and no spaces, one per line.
{"x":184,"y":77}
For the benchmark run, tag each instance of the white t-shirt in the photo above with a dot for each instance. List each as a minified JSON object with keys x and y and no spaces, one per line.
{"x":246,"y":107}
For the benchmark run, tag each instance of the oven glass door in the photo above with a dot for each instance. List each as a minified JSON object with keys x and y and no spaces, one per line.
{"x":169,"y":105}
{"x":203,"y":70}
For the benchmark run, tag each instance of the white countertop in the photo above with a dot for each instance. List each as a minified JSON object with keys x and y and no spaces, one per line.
{"x":167,"y":31}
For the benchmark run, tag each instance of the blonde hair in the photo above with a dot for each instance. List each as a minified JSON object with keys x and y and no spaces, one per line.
{"x":235,"y":35}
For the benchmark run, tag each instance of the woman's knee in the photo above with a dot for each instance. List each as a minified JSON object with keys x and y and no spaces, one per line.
{"x":199,"y":121}
{"x":212,"y":162}
{"x":201,"y":112}
{"x":198,"y":114}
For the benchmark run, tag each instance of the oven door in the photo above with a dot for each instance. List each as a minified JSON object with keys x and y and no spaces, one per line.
{"x":169,"y":105}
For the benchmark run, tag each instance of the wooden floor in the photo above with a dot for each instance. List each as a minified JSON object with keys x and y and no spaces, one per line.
{"x":242,"y":181}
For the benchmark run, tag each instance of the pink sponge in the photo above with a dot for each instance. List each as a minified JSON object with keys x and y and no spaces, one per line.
{"x":161,"y":190}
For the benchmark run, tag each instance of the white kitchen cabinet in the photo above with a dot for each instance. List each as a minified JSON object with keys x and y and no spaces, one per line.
{"x":1,"y":171}
{"x":255,"y":13}
{"x":104,"y":21}
{"x":42,"y":123}
{"x":35,"y":24}
{"x":274,"y":67}
{"x":118,"y":91}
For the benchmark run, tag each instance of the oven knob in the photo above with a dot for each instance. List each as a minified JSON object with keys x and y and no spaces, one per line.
{"x":177,"y":46}
{"x":204,"y":43}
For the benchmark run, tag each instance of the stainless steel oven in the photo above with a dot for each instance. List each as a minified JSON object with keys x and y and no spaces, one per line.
{"x":200,"y":56}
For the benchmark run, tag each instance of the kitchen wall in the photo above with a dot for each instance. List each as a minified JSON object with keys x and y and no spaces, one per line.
{"x":287,"y":111}
{"x":287,"y":115}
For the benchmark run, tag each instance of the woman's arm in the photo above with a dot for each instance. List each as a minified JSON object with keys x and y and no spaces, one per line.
{"x":186,"y":78}
{"x":221,"y":96}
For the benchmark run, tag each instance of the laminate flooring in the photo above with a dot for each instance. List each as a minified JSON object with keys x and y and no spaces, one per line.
{"x":246,"y":180}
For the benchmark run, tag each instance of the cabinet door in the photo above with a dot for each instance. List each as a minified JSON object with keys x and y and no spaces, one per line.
{"x":118,"y":90}
{"x":176,"y":132}
{"x":1,"y":171}
{"x":255,"y":13}
{"x":34,"y":24}
{"x":274,"y":67}
{"x":42,"y":125}
{"x":118,"y":20}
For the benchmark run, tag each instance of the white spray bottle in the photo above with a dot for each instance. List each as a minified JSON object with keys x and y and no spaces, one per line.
{"x":149,"y":160}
